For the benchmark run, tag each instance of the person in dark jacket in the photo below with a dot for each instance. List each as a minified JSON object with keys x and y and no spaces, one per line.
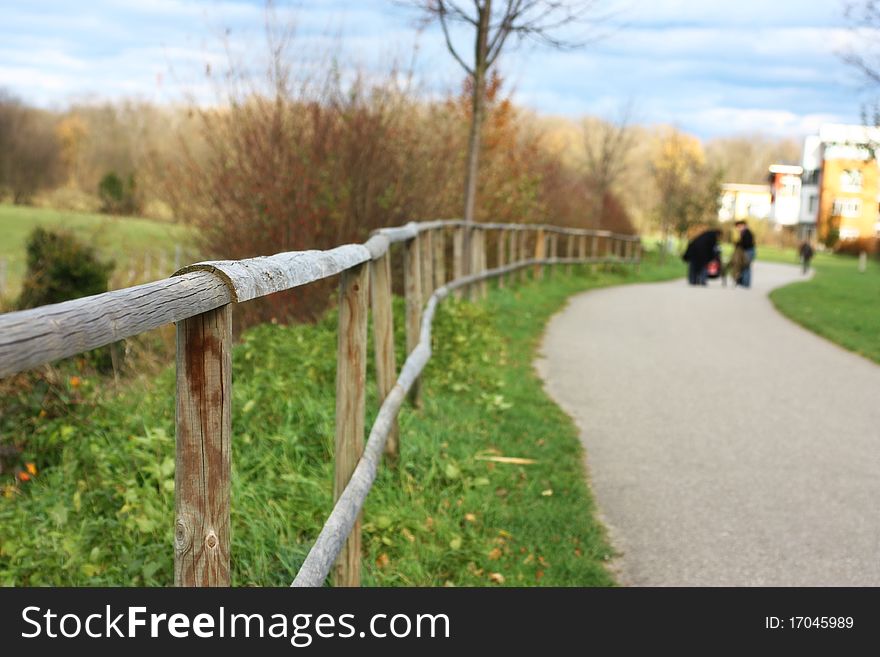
{"x":747,"y":244}
{"x":806,"y":252}
{"x":699,"y":253}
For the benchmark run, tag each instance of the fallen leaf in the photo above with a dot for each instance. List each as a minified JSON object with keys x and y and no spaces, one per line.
{"x":497,"y":578}
{"x":382,"y":560}
{"x":470,"y":517}
{"x":529,"y":559}
{"x":408,"y":535}
{"x":506,"y":459}
{"x":504,"y":534}
{"x":455,"y":543}
{"x":540,"y":443}
{"x":547,"y":493}
{"x":539,"y":575}
{"x":494,"y":554}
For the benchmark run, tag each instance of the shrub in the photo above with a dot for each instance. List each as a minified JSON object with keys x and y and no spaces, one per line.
{"x":60,"y":268}
{"x":832,"y":237}
{"x":117,"y":195}
{"x":870,"y":245}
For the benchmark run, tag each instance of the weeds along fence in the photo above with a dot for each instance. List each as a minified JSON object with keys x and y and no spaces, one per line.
{"x":199,"y":298}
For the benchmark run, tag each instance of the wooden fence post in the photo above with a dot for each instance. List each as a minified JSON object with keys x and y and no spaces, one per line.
{"x":383,"y":339}
{"x":351,"y":375}
{"x":523,"y":251}
{"x":203,"y":458}
{"x":474,"y":291}
{"x":427,"y":256}
{"x":539,"y":254}
{"x":458,"y":257}
{"x":594,"y":251}
{"x":553,"y":239}
{"x":484,"y":285}
{"x":582,"y":252}
{"x":501,"y":260}
{"x":412,"y":276}
{"x":569,"y":252}
{"x":439,"y":258}
{"x":512,"y":247}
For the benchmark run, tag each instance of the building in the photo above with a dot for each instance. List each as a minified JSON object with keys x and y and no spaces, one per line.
{"x":785,"y":195}
{"x":839,"y":189}
{"x":742,"y":201}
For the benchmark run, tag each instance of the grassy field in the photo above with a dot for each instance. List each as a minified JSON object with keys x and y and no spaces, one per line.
{"x":102,"y":498}
{"x":839,"y":303}
{"x":125,"y":240}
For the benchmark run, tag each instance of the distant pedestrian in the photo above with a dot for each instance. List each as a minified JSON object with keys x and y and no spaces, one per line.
{"x":700,"y":251}
{"x":747,"y":244}
{"x":806,"y":253}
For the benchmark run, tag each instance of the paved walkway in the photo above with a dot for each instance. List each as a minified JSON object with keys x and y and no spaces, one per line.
{"x":725,"y":444}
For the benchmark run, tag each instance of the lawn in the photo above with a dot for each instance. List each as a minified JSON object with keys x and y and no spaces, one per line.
{"x":126,"y":240}
{"x":103,"y":493}
{"x":839,"y":303}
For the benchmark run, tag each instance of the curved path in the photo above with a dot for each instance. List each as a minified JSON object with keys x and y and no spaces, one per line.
{"x":726,"y":445}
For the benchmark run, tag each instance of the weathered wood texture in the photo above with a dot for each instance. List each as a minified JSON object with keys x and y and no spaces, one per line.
{"x":484,"y":265}
{"x":523,"y":254}
{"x":351,"y":375}
{"x":569,"y":251}
{"x":203,"y":463}
{"x":540,"y":253}
{"x":512,"y":250}
{"x":458,"y":256}
{"x":257,"y":277}
{"x":501,"y":258}
{"x":439,"y":258}
{"x":383,"y":339}
{"x":413,"y":293}
{"x":29,"y":338}
{"x":427,"y":256}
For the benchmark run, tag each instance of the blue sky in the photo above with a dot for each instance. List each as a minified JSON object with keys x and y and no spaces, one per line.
{"x":713,"y":68}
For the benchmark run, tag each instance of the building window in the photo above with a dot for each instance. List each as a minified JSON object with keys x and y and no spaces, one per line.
{"x":812,"y":204}
{"x":851,"y":180}
{"x":847,"y":207}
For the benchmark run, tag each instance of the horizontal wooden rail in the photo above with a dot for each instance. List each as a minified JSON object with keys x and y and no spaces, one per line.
{"x":29,"y":338}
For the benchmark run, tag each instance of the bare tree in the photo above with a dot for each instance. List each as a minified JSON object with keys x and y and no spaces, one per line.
{"x":864,"y":19}
{"x":29,"y":150}
{"x":491,"y":26}
{"x":688,"y":189}
{"x":607,"y":145}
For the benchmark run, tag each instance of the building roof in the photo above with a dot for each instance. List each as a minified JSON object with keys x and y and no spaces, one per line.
{"x":786,"y":168}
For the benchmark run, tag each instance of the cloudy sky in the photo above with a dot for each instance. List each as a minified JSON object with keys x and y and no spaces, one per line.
{"x":712,"y":67}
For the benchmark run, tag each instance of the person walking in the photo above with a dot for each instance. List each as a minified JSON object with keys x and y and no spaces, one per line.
{"x":699,"y":253}
{"x":806,"y":252}
{"x":747,"y":244}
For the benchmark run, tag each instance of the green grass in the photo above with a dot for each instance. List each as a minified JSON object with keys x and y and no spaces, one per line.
{"x":100,"y":510}
{"x":838,"y":303}
{"x":121,"y":239}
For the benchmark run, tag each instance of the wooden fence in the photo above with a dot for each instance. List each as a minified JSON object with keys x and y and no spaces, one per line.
{"x":200,"y":298}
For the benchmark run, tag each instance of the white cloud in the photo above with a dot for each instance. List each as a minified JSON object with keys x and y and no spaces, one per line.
{"x":712,"y":67}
